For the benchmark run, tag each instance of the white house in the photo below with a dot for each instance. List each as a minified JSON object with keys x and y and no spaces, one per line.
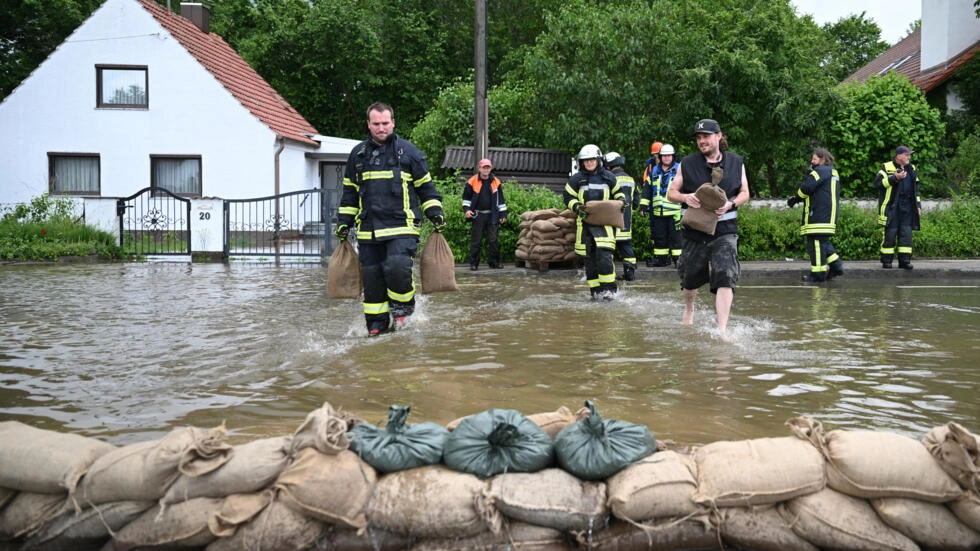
{"x":140,"y":96}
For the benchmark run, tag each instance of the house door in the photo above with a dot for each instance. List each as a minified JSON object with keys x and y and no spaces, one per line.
{"x":154,"y":221}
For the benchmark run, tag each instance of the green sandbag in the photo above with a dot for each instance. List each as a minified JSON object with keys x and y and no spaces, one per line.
{"x":595,"y":449}
{"x":398,"y":446}
{"x":498,"y":441}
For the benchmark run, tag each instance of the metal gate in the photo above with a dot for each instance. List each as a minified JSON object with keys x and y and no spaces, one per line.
{"x":154,"y":221}
{"x":294,"y":224}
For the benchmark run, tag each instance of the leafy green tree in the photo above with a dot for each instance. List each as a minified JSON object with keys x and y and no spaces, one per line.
{"x":856,"y":41}
{"x":874,"y":118}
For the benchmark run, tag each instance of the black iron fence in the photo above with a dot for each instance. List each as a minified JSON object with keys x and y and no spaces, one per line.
{"x":154,"y":221}
{"x":294,"y":224}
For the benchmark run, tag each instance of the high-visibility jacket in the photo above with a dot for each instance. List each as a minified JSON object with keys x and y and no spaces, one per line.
{"x":387,"y":188}
{"x":471,"y":193}
{"x":820,"y":192}
{"x":656,"y":182}
{"x":889,"y":193}
{"x":582,"y":187}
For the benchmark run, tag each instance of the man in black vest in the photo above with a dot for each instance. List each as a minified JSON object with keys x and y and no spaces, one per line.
{"x":710,"y":258}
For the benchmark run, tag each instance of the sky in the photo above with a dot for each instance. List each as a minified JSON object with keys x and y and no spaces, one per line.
{"x":893,"y":16}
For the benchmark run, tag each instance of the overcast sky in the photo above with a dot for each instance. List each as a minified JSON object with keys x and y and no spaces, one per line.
{"x":892,"y":16}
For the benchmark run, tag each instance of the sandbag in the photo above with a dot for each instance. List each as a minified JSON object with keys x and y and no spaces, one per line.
{"x":432,"y":502}
{"x":334,"y":488}
{"x":183,"y":524}
{"x":27,"y":512}
{"x":658,"y":486}
{"x":761,"y":471}
{"x":43,"y":461}
{"x":252,"y":467}
{"x":275,"y":527}
{"x":967,"y":509}
{"x":144,"y":471}
{"x":88,"y":529}
{"x":871,"y":464}
{"x":344,"y":272}
{"x":704,"y":218}
{"x":399,"y":445}
{"x":671,"y":535}
{"x":237,"y":510}
{"x":595,"y":449}
{"x":340,"y":538}
{"x":832,"y":520}
{"x":438,"y":269}
{"x":759,"y":529}
{"x":605,"y":213}
{"x":551,"y":422}
{"x":551,"y":498}
{"x":519,"y":536}
{"x":6,"y":494}
{"x":324,"y":429}
{"x":931,"y":525}
{"x":958,"y":452}
{"x":497,"y":441}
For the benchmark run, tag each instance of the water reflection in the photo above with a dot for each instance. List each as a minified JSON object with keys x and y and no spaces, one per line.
{"x":126,"y":351}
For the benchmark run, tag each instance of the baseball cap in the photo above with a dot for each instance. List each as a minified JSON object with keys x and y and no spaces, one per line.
{"x":707,"y":126}
{"x":485,"y":162}
{"x":903,"y":150}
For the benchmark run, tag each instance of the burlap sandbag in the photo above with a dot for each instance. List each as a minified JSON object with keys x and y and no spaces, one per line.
{"x":931,"y":525}
{"x":252,"y":467}
{"x":237,"y":510}
{"x":333,"y":488}
{"x":274,"y":527}
{"x":518,"y":536}
{"x":43,"y":461}
{"x":958,"y":452}
{"x":605,"y":213}
{"x":761,"y":471}
{"x":89,"y":529}
{"x":324,"y":429}
{"x":438,"y":269}
{"x":181,"y":525}
{"x":551,"y":498}
{"x":704,"y":218}
{"x":340,"y":538}
{"x":431,"y":502}
{"x":545,"y":226}
{"x":759,"y":529}
{"x":669,"y":535}
{"x":967,"y":509}
{"x":832,"y":520}
{"x":29,"y":511}
{"x":6,"y":494}
{"x":870,"y":464}
{"x":144,"y":471}
{"x":344,"y":272}
{"x":662,"y":485}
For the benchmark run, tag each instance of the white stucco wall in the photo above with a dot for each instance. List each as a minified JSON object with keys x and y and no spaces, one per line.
{"x":190,"y":113}
{"x":948,"y":28}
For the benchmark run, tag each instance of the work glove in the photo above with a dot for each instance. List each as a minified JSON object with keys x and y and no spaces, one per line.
{"x":580,"y":211}
{"x":792,"y":201}
{"x":342,"y":231}
{"x":623,"y":208}
{"x":440,"y":222}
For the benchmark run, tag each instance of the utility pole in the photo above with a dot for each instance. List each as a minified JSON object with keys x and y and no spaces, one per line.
{"x":481,"y":146}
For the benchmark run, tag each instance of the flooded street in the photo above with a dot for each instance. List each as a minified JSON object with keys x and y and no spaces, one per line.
{"x":127,"y":351}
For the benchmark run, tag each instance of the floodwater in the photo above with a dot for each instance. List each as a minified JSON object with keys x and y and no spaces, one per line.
{"x":125,"y":352}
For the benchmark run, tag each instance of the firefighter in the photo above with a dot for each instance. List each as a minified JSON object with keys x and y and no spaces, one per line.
{"x":899,"y":207}
{"x":820,"y":195}
{"x":665,"y":215}
{"x":592,"y":182}
{"x":624,"y":237}
{"x":387,"y":188}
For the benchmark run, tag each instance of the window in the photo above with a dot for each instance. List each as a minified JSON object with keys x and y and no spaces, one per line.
{"x":177,"y":174}
{"x":121,"y":86}
{"x":73,"y":173}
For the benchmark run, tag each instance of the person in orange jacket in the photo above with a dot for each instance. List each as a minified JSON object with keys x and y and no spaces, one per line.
{"x":485,"y":207}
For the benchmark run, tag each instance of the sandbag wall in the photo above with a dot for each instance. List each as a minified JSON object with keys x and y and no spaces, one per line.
{"x":808,"y":490}
{"x":546,"y":236}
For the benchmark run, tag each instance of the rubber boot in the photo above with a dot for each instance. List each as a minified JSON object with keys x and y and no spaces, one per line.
{"x":629,"y":272}
{"x":815,"y":277}
{"x":886,"y":261}
{"x":905,"y":261}
{"x":836,"y":268}
{"x":661,"y":261}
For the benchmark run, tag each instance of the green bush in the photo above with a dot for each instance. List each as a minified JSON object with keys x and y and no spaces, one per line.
{"x":46,"y":229}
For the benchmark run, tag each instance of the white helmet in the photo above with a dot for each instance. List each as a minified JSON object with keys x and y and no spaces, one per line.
{"x":589,"y":151}
{"x":667,"y":149}
{"x":614,"y":159}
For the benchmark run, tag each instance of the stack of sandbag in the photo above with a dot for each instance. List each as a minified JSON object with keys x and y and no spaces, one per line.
{"x":546,"y":236}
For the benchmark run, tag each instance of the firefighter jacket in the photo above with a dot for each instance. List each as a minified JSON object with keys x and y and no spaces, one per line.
{"x":820,"y":192}
{"x":632,"y":198}
{"x":387,"y":188}
{"x":656,"y":182}
{"x":471,"y":198}
{"x":894,"y":193}
{"x":695,"y":171}
{"x":600,"y":185}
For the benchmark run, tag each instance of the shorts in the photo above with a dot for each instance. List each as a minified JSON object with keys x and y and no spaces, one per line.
{"x":714,"y":261}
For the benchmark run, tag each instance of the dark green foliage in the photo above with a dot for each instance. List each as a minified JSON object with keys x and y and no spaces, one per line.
{"x":950,"y":232}
{"x":46,"y":229}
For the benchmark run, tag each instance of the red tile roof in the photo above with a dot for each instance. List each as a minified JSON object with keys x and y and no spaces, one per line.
{"x":237,"y":76}
{"x":905,"y":58}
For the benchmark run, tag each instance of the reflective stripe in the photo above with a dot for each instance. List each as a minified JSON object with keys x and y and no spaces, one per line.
{"x":402,"y":297}
{"x":379,"y":175}
{"x":375,"y":307}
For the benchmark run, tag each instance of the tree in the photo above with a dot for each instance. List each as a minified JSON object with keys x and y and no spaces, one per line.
{"x":875,"y":117}
{"x":856,"y":40}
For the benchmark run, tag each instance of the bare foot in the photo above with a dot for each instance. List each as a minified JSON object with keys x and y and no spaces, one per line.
{"x":723,"y":335}
{"x":688,"y":318}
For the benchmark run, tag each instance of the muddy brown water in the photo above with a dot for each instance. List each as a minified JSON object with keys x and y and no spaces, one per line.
{"x":125,"y":352}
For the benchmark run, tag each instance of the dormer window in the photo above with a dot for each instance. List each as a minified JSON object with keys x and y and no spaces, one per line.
{"x":122,"y":87}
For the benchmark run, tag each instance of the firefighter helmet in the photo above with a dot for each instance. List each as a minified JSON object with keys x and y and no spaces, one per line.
{"x":589,"y":151}
{"x":655,"y":148}
{"x":667,"y":149}
{"x":614,"y":159}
